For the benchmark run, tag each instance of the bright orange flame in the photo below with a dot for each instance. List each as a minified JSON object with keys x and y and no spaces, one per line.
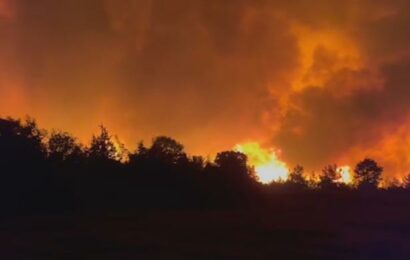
{"x":345,"y":173}
{"x":268,"y":167}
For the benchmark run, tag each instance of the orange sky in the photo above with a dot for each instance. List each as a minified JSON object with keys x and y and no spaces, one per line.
{"x":323,"y":81}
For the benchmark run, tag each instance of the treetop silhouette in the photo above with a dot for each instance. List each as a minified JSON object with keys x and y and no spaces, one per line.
{"x":34,"y":163}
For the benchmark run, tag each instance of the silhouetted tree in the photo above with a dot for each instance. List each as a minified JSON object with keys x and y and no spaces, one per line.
{"x":367,"y":174}
{"x":235,"y":164}
{"x":21,"y":141}
{"x":329,"y":177}
{"x":198,"y":162}
{"x":167,"y":150}
{"x":102,"y":147}
{"x":31,"y":131}
{"x":296,"y":176}
{"x":62,"y":146}
{"x":39,"y":175}
{"x":234,"y":180}
{"x":139,"y":156}
{"x":25,"y":181}
{"x":232,"y":160}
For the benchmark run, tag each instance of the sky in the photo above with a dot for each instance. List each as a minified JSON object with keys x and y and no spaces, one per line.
{"x":321,"y":81}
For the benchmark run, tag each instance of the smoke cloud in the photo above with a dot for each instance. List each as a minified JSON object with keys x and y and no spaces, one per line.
{"x":324,"y":81}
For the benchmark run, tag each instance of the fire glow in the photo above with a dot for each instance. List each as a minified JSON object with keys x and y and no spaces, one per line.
{"x":268,"y":166}
{"x":345,"y":174}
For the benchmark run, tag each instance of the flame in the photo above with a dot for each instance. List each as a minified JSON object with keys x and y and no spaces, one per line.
{"x":267,"y":165}
{"x":345,"y":173}
{"x":121,"y":151}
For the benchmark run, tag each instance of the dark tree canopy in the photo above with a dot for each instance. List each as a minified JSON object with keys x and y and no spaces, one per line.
{"x":296,"y":176}
{"x":329,"y":176}
{"x":62,"y":146}
{"x":21,"y":140}
{"x":166,"y":149}
{"x":235,"y":164}
{"x":43,"y":170}
{"x":231,"y":159}
{"x":102,"y":146}
{"x":367,"y":173}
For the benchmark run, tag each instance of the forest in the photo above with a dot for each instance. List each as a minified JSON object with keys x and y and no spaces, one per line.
{"x":54,"y":172}
{"x":52,"y":184}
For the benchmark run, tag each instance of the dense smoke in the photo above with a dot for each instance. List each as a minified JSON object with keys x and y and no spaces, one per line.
{"x":324,"y":81}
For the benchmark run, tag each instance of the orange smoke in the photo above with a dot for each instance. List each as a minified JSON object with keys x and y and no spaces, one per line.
{"x":213,"y":74}
{"x":323,"y":52}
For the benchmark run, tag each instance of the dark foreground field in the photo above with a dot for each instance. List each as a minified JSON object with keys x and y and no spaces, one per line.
{"x":316,"y":230}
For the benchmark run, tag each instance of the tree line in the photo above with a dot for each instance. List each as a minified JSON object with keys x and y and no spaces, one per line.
{"x":55,"y":172}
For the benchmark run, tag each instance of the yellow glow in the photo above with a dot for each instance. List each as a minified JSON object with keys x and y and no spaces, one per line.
{"x":345,"y":173}
{"x":268,"y":167}
{"x":121,"y":152}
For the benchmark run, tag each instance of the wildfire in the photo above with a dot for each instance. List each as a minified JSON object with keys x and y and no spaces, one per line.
{"x":345,"y":173}
{"x":268,"y":166}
